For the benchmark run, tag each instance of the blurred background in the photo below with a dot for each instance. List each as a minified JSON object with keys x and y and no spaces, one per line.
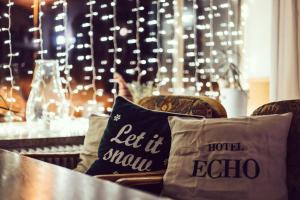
{"x":217,"y":48}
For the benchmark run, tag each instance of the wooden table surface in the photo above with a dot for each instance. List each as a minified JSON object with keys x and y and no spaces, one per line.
{"x":23,"y":178}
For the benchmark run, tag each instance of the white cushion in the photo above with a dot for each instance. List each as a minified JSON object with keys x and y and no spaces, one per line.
{"x":89,"y":153}
{"x":228,"y":159}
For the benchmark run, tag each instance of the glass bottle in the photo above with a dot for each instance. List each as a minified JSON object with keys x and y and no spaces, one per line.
{"x":46,"y":100}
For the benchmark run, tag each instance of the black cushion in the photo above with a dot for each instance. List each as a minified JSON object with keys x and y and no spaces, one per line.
{"x":135,"y":140}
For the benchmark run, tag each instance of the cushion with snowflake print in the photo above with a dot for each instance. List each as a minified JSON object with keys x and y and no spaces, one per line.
{"x":135,"y":140}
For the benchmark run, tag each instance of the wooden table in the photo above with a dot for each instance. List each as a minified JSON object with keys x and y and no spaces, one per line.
{"x":23,"y":178}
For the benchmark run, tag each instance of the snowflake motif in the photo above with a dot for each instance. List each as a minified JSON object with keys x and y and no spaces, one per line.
{"x":117,"y":117}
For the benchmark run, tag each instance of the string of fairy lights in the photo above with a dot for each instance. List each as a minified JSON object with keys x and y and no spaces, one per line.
{"x":84,"y":59}
{"x":37,"y":29}
{"x":151,"y":23}
{"x":198,"y":84}
{"x":166,"y":33}
{"x":158,"y":50}
{"x":10,"y":55}
{"x":10,"y":85}
{"x":63,"y":46}
{"x":40,"y":29}
{"x":115,"y":44}
{"x":67,"y":68}
{"x":91,"y":40}
{"x":137,"y":39}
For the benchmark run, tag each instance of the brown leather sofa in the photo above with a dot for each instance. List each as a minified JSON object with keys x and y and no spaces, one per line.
{"x":152,"y":182}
